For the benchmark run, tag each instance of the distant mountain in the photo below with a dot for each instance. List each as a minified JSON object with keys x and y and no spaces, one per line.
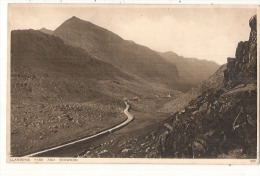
{"x":131,"y":58}
{"x":191,"y":69}
{"x":46,"y":31}
{"x":179,"y":102}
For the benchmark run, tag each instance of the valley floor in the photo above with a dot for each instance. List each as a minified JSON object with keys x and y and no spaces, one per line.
{"x":137,"y":139}
{"x":44,"y":126}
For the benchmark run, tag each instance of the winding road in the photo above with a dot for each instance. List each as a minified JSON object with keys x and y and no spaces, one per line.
{"x":130,"y":117}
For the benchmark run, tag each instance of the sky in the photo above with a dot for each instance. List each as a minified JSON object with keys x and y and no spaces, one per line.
{"x":191,"y":31}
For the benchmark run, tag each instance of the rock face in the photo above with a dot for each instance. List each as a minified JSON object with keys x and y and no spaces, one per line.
{"x":243,"y":68}
{"x":222,"y":121}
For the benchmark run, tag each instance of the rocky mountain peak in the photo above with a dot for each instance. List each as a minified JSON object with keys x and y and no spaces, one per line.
{"x":78,"y":24}
{"x":75,"y":19}
{"x":85,"y":32}
{"x":131,"y":58}
{"x":252,"y":23}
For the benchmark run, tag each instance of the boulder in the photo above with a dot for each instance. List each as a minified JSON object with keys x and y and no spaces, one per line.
{"x":125,"y":150}
{"x":203,"y":107}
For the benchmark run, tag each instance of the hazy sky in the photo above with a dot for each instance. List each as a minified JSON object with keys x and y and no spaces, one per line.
{"x":203,"y":33}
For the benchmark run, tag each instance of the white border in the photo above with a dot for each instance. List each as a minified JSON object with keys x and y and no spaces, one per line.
{"x":101,"y":169}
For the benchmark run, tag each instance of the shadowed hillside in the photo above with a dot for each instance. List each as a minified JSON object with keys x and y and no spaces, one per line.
{"x":192,"y":70}
{"x":36,"y":49}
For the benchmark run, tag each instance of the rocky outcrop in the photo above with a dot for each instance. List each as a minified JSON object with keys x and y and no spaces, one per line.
{"x":243,"y":68}
{"x":222,"y":121}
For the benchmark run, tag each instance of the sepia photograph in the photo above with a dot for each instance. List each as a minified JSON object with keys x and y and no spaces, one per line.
{"x":133,"y":83}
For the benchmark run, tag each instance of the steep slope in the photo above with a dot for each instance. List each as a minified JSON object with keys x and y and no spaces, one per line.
{"x":131,"y":58}
{"x":192,"y":70}
{"x":39,"y":52}
{"x":222,"y":121}
{"x":36,"y":49}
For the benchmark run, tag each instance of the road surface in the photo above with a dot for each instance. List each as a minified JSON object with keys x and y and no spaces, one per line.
{"x":130,"y":117}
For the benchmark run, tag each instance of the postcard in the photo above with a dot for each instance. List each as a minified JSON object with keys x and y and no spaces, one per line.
{"x":139,"y":83}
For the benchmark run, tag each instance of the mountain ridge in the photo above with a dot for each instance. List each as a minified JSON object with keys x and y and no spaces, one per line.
{"x":46,"y":31}
{"x":192,"y":69}
{"x":131,"y":58}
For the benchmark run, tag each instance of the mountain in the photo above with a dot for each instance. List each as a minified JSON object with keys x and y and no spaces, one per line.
{"x":46,"y":31}
{"x":221,"y":122}
{"x":215,"y":119}
{"x":131,"y":58}
{"x":60,"y":93}
{"x":190,"y":69}
{"x":35,"y":49}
